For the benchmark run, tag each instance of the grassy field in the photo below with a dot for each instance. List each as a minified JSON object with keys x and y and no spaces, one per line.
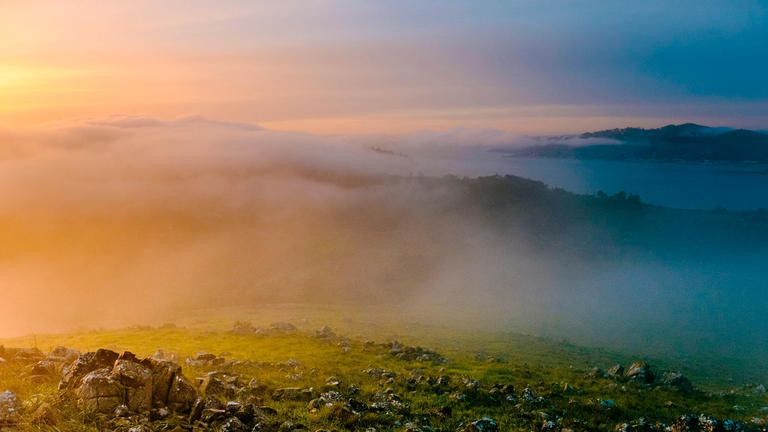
{"x":555,"y":371}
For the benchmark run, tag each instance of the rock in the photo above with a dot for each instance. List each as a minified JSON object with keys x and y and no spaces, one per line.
{"x":410,"y":353}
{"x":606,"y":403}
{"x":594,"y":372}
{"x":46,"y":414}
{"x":85,"y":364}
{"x":677,"y":381}
{"x":530,"y":397}
{"x":182,"y":394}
{"x":640,"y":372}
{"x":162,"y":355}
{"x":23,"y":355}
{"x":163,"y":373}
{"x":122,"y":411}
{"x":483,"y":425}
{"x":234,"y":424}
{"x":615,"y":371}
{"x":210,"y":415}
{"x":138,"y":384}
{"x":10,"y":408}
{"x":342,"y":414}
{"x":325,"y":333}
{"x":640,"y":425}
{"x":136,"y":378}
{"x":293,"y":394}
{"x":99,"y":392}
{"x":44,"y":368}
{"x":244,"y":328}
{"x":283,"y":328}
{"x":63,"y":355}
{"x":219,"y":383}
{"x":549,"y":426}
{"x":159,"y":414}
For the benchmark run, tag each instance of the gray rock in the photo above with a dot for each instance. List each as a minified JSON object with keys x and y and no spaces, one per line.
{"x":640,"y":372}
{"x":10,"y":408}
{"x":483,"y":425}
{"x":615,"y":371}
{"x":677,"y":381}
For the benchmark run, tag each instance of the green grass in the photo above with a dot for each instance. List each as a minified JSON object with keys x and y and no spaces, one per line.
{"x":522,"y":361}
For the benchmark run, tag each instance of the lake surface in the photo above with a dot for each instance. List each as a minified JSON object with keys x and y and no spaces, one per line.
{"x":680,"y":185}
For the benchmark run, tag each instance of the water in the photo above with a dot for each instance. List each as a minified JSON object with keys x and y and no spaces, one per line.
{"x":679,"y":185}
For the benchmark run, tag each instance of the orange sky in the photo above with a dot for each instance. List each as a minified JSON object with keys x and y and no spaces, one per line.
{"x":327,"y":67}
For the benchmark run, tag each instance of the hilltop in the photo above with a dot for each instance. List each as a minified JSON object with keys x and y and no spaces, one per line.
{"x":684,"y":142}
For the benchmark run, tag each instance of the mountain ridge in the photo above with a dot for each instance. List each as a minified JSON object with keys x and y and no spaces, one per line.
{"x":683,"y":142}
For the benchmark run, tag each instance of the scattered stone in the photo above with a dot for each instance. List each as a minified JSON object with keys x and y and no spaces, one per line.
{"x":234,"y":424}
{"x":282,"y":328}
{"x":606,"y":403}
{"x":10,"y":408}
{"x":325,"y":333}
{"x":483,"y":425}
{"x":411,"y":353}
{"x":293,"y":394}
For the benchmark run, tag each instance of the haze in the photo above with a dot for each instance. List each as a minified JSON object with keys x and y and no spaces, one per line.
{"x":158,"y":157}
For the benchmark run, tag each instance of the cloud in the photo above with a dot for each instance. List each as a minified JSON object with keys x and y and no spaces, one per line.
{"x":130,"y":122}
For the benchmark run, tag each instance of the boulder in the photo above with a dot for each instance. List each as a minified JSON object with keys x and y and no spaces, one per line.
{"x":182,"y":394}
{"x":677,"y":381}
{"x":615,"y":371}
{"x":62,"y":354}
{"x":219,"y":383}
{"x":104,"y":381}
{"x":640,"y":372}
{"x":136,"y":378}
{"x":99,"y":392}
{"x":10,"y":408}
{"x":85,"y":364}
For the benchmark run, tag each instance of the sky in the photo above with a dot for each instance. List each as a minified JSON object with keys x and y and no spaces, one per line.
{"x":322,"y":66}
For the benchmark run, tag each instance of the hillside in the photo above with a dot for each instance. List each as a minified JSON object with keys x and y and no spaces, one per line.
{"x":284,"y":377}
{"x":685,"y":142}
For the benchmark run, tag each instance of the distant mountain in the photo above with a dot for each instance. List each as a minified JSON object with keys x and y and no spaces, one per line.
{"x":684,"y":142}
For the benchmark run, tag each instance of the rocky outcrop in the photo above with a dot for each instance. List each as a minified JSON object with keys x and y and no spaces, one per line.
{"x":103,"y":380}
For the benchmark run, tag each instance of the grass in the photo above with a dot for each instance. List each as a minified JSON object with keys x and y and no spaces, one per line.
{"x":522,"y":361}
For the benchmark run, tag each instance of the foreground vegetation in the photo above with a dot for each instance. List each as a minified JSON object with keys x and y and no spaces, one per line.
{"x":522,"y":383}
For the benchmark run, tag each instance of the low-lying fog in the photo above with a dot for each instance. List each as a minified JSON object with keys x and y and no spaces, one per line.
{"x":124,"y":220}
